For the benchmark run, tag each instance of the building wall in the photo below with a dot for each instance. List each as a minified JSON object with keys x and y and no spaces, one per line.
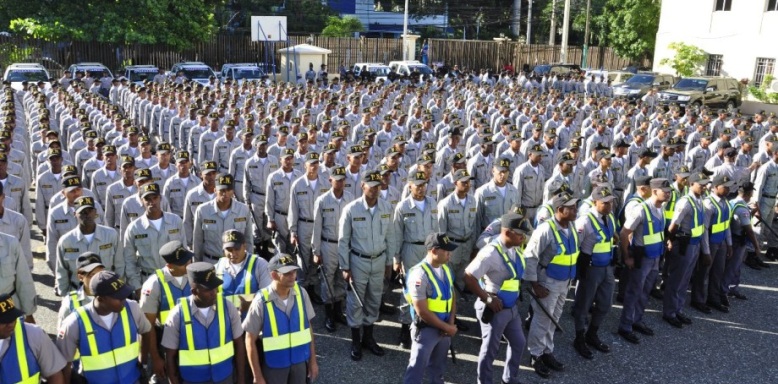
{"x":381,"y":21}
{"x":741,"y":35}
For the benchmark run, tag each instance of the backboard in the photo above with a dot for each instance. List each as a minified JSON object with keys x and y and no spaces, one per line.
{"x":268,"y":28}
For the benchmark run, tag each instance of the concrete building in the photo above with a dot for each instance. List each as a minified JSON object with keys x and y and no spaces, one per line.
{"x":382,"y":23}
{"x":738,"y":35}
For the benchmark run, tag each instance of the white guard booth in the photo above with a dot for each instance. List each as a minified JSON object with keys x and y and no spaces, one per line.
{"x":295,"y":60}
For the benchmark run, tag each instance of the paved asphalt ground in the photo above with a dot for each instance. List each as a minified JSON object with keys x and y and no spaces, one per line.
{"x":738,"y":347}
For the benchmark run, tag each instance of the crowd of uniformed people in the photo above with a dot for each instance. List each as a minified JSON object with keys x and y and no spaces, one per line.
{"x":190,"y":229}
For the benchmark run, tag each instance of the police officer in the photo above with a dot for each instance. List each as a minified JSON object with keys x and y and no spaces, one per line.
{"x":238,"y":159}
{"x":743,"y":240}
{"x":277,"y":194}
{"x":214,"y":217}
{"x":457,"y":214}
{"x":177,"y":186}
{"x":304,"y":192}
{"x":13,"y":223}
{"x":494,"y":198}
{"x":494,"y":276}
{"x":108,"y":333}
{"x":106,"y":175}
{"x":327,"y":210}
{"x":414,"y":218}
{"x":27,"y":354}
{"x":597,"y":236}
{"x":257,"y":169}
{"x":707,"y":278}
{"x":132,"y":207}
{"x":162,"y":171}
{"x":430,"y":290}
{"x":203,"y":193}
{"x":188,"y":333}
{"x":88,"y":265}
{"x":529,"y":179}
{"x":120,"y":190}
{"x":146,"y":235}
{"x":282,"y":361}
{"x":160,"y":293}
{"x":243,"y":274}
{"x":765,"y":192}
{"x":88,"y":236}
{"x":367,"y":239}
{"x":17,"y":277}
{"x":47,"y":185}
{"x":687,"y":235}
{"x":61,"y":218}
{"x":551,"y":255}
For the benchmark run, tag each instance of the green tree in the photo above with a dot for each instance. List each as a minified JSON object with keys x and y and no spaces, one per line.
{"x":342,"y":26}
{"x":180,"y":23}
{"x":631,"y":27}
{"x":688,"y":59}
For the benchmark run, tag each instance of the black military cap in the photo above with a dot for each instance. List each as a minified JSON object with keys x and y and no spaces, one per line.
{"x":174,"y":252}
{"x":723,"y":181}
{"x":621,"y":143}
{"x":683,"y":172}
{"x":203,"y":274}
{"x":602,"y":193}
{"x":88,"y":261}
{"x":699,"y":178}
{"x":109,"y":149}
{"x":163,"y":147}
{"x":462,"y":175}
{"x":372,"y":178}
{"x":128,"y":160}
{"x":54,"y":152}
{"x":746,"y":187}
{"x":647,"y":152}
{"x":108,"y":283}
{"x":311,"y":158}
{"x":8,"y":311}
{"x":208,"y":167}
{"x":283,"y":263}
{"x":232,"y":238}
{"x":425,"y":159}
{"x":69,"y":170}
{"x":418,"y":178}
{"x":182,"y":156}
{"x":502,"y":164}
{"x":83,"y":203}
{"x":515,"y":222}
{"x":338,"y":173}
{"x":563,"y":200}
{"x":149,"y":189}
{"x":439,"y":240}
{"x":70,"y":183}
{"x":458,"y":158}
{"x":224,"y":181}
{"x":287,"y":152}
{"x":142,"y":174}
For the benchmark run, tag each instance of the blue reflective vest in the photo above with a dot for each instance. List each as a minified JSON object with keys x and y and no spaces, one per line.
{"x":563,"y":265}
{"x":653,"y":233}
{"x":719,"y":227}
{"x":509,"y":290}
{"x":698,"y":221}
{"x":602,"y":252}
{"x":441,"y":301}
{"x":170,"y":295}
{"x":109,"y":357}
{"x":286,"y":340}
{"x":234,"y":287}
{"x":205,"y":354}
{"x":19,"y":364}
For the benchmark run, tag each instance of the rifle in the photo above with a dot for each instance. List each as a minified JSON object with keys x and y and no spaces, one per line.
{"x":326,"y":282}
{"x":351,"y":288}
{"x":545,"y":310}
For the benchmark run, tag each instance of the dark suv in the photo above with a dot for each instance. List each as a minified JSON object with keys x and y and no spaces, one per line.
{"x":714,"y":92}
{"x":637,"y":86}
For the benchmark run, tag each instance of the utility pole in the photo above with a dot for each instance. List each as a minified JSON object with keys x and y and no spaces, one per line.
{"x":516,"y":24}
{"x":552,"y":32}
{"x":529,"y":22}
{"x":405,"y":32}
{"x":585,"y":55}
{"x":565,"y":31}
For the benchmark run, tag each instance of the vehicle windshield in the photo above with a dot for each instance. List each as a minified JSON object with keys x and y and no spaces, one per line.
{"x":380,"y":71}
{"x":95,"y":73}
{"x":423,"y":69}
{"x":641,"y":80}
{"x":691,"y":84}
{"x":624,"y":76}
{"x":136,"y":75}
{"x":31,"y":75}
{"x":197,"y":73}
{"x":247,"y":73}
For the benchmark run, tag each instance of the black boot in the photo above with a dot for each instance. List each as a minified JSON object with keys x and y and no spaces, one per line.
{"x":329,"y":318}
{"x":580,"y":345}
{"x":771,"y":254}
{"x":368,"y":342}
{"x":594,"y":341}
{"x":751,"y":261}
{"x":356,"y":345}
{"x":315,"y":298}
{"x":338,"y":313}
{"x":405,"y":336}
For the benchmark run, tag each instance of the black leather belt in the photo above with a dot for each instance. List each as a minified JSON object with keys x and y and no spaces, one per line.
{"x":526,"y":207}
{"x":258,"y":193}
{"x":211,"y":257}
{"x":766,"y":196}
{"x":329,"y":240}
{"x":281,"y":213}
{"x":619,"y":189}
{"x":305,"y":220}
{"x":457,"y":240}
{"x":367,"y":256}
{"x":415,"y":242}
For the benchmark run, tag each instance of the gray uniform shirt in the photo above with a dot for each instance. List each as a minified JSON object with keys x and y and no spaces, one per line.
{"x":302,"y":198}
{"x":210,"y":223}
{"x":105,"y":243}
{"x":327,"y":210}
{"x":48,"y":358}
{"x":194,"y":198}
{"x":114,"y":198}
{"x":684,"y":216}
{"x":175,"y":192}
{"x":412,"y":224}
{"x":142,"y":242}
{"x":68,"y":336}
{"x":457,"y":218}
{"x":489,"y":266}
{"x":14,"y":224}
{"x":132,"y":208}
{"x":491,"y":204}
{"x":15,"y":275}
{"x":101,"y":180}
{"x":529,"y":184}
{"x":368,"y":231}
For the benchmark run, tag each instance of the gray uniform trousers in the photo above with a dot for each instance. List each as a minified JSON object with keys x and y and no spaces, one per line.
{"x":597,"y":289}
{"x":639,"y":285}
{"x":541,"y":331}
{"x":767,"y":211}
{"x":459,"y":260}
{"x":506,"y":322}
{"x":732,"y":268}
{"x":428,"y":352}
{"x":281,"y":236}
{"x":679,"y":271}
{"x":329,"y":254}
{"x":411,"y":254}
{"x":711,"y":276}
{"x":304,"y":235}
{"x":368,"y":278}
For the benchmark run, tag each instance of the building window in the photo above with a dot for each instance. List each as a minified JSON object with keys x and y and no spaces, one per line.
{"x":713,"y":68}
{"x":763,"y":68}
{"x":772,"y":5}
{"x":723,"y":5}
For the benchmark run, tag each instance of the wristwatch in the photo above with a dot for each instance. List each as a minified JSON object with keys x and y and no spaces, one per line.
{"x":488,"y":299}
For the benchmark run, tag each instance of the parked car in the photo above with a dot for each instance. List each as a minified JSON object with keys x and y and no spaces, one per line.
{"x":138,"y":74}
{"x":91,"y":69}
{"x":615,"y":77}
{"x":409,"y":66}
{"x":32,"y":73}
{"x":638,"y":85}
{"x":377,"y":71}
{"x":242,"y":72}
{"x":559,"y":69}
{"x":194,"y":71}
{"x":714,"y":92}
